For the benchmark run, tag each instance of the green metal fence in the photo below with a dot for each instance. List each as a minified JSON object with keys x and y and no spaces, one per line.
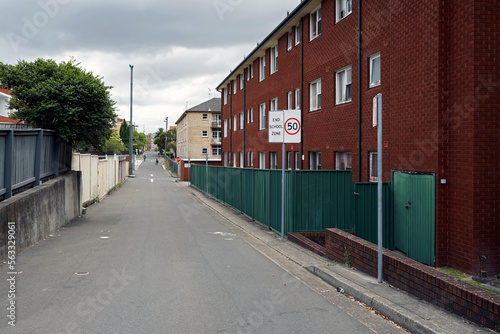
{"x":314,"y":200}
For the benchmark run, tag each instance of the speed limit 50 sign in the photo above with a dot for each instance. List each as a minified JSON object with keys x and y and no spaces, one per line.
{"x":285,"y":126}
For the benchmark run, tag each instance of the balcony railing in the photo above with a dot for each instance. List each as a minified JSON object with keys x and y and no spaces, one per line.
{"x":216,"y":124}
{"x":216,"y":141}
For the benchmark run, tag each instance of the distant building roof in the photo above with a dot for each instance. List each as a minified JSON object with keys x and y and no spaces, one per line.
{"x":4,"y":119}
{"x":213,"y":105}
{"x":5,"y":91}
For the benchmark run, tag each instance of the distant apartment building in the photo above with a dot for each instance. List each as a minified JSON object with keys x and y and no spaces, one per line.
{"x":436,"y":64}
{"x":199,"y":133}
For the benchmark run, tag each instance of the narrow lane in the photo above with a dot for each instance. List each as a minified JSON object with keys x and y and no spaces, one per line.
{"x":148,"y":259}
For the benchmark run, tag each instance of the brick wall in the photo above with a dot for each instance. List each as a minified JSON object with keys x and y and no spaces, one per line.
{"x":417,"y":279}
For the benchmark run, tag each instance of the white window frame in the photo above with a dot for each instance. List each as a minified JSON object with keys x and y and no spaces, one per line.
{"x":225,"y":95}
{"x":297,"y":34}
{"x":262,"y":68}
{"x":251,"y":115}
{"x":373,"y":166}
{"x":297,"y":98}
{"x":262,"y":160}
{"x":343,"y":9}
{"x":289,"y":41}
{"x":262,"y":116}
{"x":235,"y":163}
{"x":235,"y":89}
{"x":216,"y":150}
{"x":315,"y":95}
{"x":242,"y":81}
{"x":235,"y":123}
{"x":242,"y":159}
{"x":204,"y":150}
{"x":289,"y":160}
{"x":315,"y":160}
{"x":297,"y":160}
{"x":274,"y":59}
{"x":373,"y":59}
{"x":343,"y":79}
{"x":204,"y":134}
{"x":225,"y":128}
{"x":204,"y":117}
{"x":315,"y":23}
{"x":273,"y":104}
{"x":273,"y":160}
{"x":242,"y":120}
{"x":251,"y":159}
{"x":289,"y":96}
{"x":343,"y":160}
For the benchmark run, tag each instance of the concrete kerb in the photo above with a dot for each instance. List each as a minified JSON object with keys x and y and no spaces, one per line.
{"x":407,"y":311}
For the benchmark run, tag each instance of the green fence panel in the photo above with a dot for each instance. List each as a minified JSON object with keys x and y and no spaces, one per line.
{"x":261,"y":196}
{"x":247,"y":179}
{"x":275,"y":177}
{"x":366,"y":212}
{"x":323,"y":199}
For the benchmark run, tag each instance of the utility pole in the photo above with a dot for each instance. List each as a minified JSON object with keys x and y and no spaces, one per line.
{"x":131,"y":127}
{"x":166,"y":130}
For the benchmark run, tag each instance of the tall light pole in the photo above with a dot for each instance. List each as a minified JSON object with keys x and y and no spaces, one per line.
{"x":166,"y":130}
{"x":131,"y":127}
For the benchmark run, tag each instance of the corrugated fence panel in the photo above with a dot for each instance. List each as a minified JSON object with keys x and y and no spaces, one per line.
{"x":2,"y":161}
{"x":261,"y":196}
{"x":247,"y":192}
{"x":366,"y":210}
{"x":23,"y":168}
{"x":47,"y":157}
{"x":275,"y":191}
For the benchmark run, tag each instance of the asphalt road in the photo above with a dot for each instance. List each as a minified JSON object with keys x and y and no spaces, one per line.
{"x":149,"y":259}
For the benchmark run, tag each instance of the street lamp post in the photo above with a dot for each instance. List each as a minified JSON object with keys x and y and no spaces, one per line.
{"x":131,"y":127}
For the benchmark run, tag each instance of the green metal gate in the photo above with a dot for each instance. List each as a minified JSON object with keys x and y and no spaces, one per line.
{"x":415,"y":215}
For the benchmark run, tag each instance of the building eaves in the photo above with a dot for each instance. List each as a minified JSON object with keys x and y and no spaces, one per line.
{"x":213,"y":105}
{"x":290,"y":21}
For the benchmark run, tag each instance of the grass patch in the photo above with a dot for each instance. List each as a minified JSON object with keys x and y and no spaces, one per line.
{"x":465,"y":278}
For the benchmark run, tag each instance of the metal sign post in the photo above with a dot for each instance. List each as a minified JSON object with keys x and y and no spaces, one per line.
{"x":284,"y":127}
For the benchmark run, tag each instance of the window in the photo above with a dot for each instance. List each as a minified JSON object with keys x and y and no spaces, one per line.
{"x":242,"y":81}
{"x":373,"y":167}
{"x":216,"y":150}
{"x":289,"y":160}
{"x":297,"y":34}
{"x":242,"y":159}
{"x":216,"y":136}
{"x":262,"y":68}
{"x":234,"y":86}
{"x":315,"y":23}
{"x":251,"y":115}
{"x":289,"y":99}
{"x":375,"y":70}
{"x":315,"y":95}
{"x":273,"y":160}
{"x":314,"y":160}
{"x":225,"y":95}
{"x":342,"y":160}
{"x":204,"y":117}
{"x":344,"y":8}
{"x":344,"y":85}
{"x":242,"y":120}
{"x":262,"y":160}
{"x":274,"y":59}
{"x":204,"y":150}
{"x":251,"y":159}
{"x":297,"y":98}
{"x":273,"y":104}
{"x":289,"y":41}
{"x":225,"y":128}
{"x":262,"y":116}
{"x":249,"y":72}
{"x":297,"y":160}
{"x":235,"y":123}
{"x":204,"y":133}
{"x":235,"y":163}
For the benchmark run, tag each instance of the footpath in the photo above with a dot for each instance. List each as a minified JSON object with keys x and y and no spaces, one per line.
{"x":409,"y":312}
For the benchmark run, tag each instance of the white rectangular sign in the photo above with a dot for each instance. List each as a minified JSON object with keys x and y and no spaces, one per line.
{"x":285,"y":126}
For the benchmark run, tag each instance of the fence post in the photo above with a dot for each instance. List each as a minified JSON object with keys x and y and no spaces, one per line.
{"x":38,"y":157}
{"x":9,"y":158}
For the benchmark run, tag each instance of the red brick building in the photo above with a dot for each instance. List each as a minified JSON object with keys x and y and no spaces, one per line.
{"x":437,"y":66}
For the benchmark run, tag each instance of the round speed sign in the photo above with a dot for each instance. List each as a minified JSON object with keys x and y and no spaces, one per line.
{"x":292,"y":126}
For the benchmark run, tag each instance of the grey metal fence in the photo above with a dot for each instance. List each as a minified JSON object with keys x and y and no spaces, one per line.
{"x":28,"y":157}
{"x":173,"y":165}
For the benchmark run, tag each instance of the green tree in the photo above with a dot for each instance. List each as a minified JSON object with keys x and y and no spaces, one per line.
{"x":124,"y":133}
{"x":139,"y":140}
{"x":63,"y":97}
{"x":114,"y":143}
{"x":160,"y":139}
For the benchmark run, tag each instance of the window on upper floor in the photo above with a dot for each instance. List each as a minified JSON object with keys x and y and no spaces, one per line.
{"x":289,"y":100}
{"x":242,"y":120}
{"x":235,"y":123}
{"x":315,"y":95}
{"x":225,"y":95}
{"x":242,"y":81}
{"x":297,"y":98}
{"x":315,"y":23}
{"x":204,"y":117}
{"x":225,"y":128}
{"x":273,"y":104}
{"x":262,"y":67}
{"x":274,"y":59}
{"x":204,"y":151}
{"x":289,"y":41}
{"x":262,"y":116}
{"x":204,"y":133}
{"x":375,"y":70}
{"x":297,"y":34}
{"x":343,"y":83}
{"x":344,"y":8}
{"x":234,"y":86}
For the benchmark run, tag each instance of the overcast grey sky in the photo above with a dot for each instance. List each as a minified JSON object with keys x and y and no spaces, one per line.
{"x":179,"y":49}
